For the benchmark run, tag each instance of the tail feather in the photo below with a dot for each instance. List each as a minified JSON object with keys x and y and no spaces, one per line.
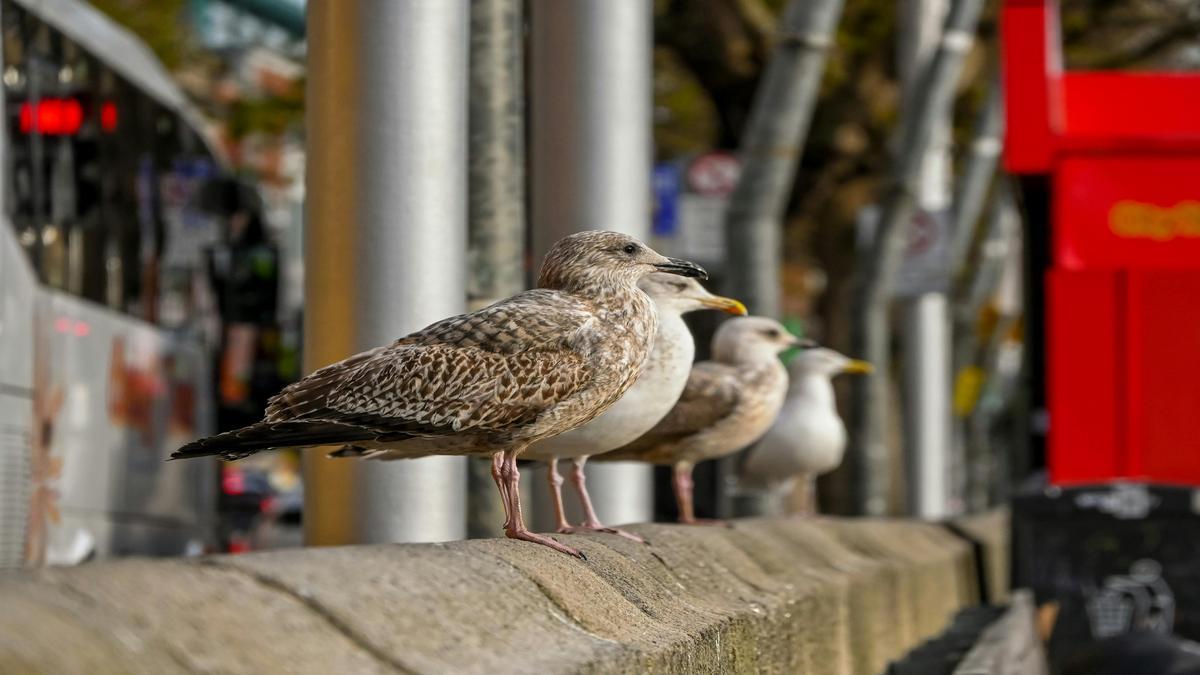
{"x":357,"y":451}
{"x":248,"y":440}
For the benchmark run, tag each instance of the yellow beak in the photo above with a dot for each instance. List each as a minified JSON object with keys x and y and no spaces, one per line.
{"x":857,"y":367}
{"x":724,"y":304}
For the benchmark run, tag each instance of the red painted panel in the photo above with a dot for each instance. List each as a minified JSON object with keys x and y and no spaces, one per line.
{"x":1031,"y":71}
{"x":1082,"y":376}
{"x":1131,"y":359}
{"x":1127,"y":211}
{"x":1150,"y":107}
{"x":1164,"y":375}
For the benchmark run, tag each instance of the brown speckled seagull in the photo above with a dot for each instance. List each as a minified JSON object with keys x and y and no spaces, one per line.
{"x":648,"y":401}
{"x":728,"y":403}
{"x":490,"y":382}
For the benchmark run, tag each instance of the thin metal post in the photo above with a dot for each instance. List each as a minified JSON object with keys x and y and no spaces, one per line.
{"x":877,"y":274}
{"x":496,"y":196}
{"x":991,"y":280}
{"x":771,"y":150}
{"x":925,"y":338}
{"x":970,"y":196}
{"x":590,"y":71}
{"x":386,"y":236}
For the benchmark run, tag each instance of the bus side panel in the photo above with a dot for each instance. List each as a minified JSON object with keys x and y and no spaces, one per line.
{"x":133,"y":394}
{"x":18,"y":289}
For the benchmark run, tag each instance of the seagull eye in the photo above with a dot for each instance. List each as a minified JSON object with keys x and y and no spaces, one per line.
{"x":771,"y":333}
{"x":630,"y":249}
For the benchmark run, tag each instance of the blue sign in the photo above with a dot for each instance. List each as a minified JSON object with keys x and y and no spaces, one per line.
{"x":668,"y":182}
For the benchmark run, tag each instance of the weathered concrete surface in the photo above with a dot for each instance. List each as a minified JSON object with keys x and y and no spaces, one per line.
{"x":993,"y":530}
{"x":789,"y":596}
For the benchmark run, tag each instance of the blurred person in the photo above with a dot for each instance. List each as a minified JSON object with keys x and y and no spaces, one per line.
{"x":244,"y":272}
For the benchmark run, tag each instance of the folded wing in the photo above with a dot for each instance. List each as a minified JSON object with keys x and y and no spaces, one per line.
{"x":485,"y":372}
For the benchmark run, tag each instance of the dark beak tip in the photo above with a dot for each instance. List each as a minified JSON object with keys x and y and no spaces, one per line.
{"x":683,"y":268}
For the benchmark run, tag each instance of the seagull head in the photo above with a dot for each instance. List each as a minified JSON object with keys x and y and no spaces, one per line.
{"x":598,"y":259}
{"x":750,"y":339}
{"x":827,"y":363}
{"x":681,"y":295}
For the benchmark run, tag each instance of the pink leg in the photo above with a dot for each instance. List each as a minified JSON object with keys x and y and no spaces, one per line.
{"x":498,"y":476}
{"x":556,"y":482}
{"x":681,"y":480}
{"x":590,"y":522}
{"x":579,"y":480}
{"x":515,"y":528}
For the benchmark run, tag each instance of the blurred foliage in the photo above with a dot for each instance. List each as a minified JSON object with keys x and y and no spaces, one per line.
{"x":271,"y":115}
{"x":161,"y":24}
{"x":1160,"y":34}
{"x":685,"y":117}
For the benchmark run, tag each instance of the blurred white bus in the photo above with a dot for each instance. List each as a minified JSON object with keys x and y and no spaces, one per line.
{"x":104,"y":368}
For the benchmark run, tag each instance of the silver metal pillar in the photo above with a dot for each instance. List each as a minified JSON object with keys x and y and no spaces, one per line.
{"x":496,"y":205}
{"x":590,"y":126}
{"x":386,"y":236}
{"x":926,"y":338}
{"x":927,"y":422}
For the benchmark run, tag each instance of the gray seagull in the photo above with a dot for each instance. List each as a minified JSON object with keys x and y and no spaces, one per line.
{"x":809,"y":437}
{"x":728,"y":403}
{"x":491,"y":382}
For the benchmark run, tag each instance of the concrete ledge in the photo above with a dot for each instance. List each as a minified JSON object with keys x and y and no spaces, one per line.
{"x":992,"y":530}
{"x":812,"y":596}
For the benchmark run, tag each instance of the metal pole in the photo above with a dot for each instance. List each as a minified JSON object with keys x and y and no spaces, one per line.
{"x":877,"y":274}
{"x":996,"y":284}
{"x":771,"y":149}
{"x":971,"y":194}
{"x":926,"y":348}
{"x":385,"y":235}
{"x":970,"y":198}
{"x":592,"y":155}
{"x":925,"y":339}
{"x":496,"y":196}
{"x":971,"y":293}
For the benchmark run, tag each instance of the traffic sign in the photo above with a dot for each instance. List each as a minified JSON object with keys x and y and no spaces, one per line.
{"x":714,"y":174}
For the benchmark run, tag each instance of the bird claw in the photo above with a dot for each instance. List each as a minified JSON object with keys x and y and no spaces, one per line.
{"x":583,"y":529}
{"x":526,"y":535}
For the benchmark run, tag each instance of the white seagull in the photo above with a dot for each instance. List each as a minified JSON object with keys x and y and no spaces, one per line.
{"x":808,"y":439}
{"x":654,"y":394}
